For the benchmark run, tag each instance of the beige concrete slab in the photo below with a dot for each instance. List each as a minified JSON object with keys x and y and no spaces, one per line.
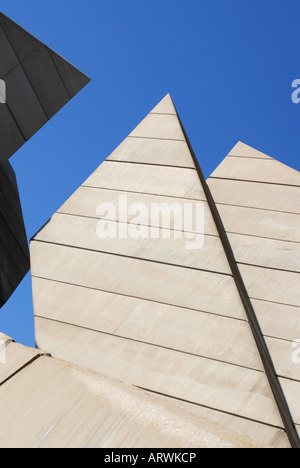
{"x":170,"y":181}
{"x":16,"y":357}
{"x":151,"y":151}
{"x":58,"y":405}
{"x":277,"y":320}
{"x":252,"y":433}
{"x":257,"y":170}
{"x":190,"y":250}
{"x":165,"y":106}
{"x":271,"y":285}
{"x":241,"y":149}
{"x":282,"y":356}
{"x":185,"y":330}
{"x":85,"y":202}
{"x":292,"y":391}
{"x":261,"y":223}
{"x":210,"y":383}
{"x":162,"y":126}
{"x":193,"y":289}
{"x":266,"y":252}
{"x":256,"y":195}
{"x":4,"y":338}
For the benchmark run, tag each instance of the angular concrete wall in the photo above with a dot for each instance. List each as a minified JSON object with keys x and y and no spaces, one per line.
{"x":14,"y":252}
{"x":258,"y":200}
{"x":149,"y":311}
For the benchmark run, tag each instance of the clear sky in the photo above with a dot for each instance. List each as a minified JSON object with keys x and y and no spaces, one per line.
{"x":228,"y":64}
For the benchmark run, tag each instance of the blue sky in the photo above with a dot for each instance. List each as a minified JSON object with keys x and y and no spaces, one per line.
{"x":228,"y":65}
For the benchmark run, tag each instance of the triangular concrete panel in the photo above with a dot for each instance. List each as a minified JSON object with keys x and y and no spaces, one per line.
{"x":165,"y":106}
{"x":242,"y":150}
{"x":258,"y":201}
{"x":148,"y":310}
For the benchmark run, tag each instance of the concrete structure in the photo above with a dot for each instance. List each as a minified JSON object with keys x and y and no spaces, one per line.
{"x":165,"y":334}
{"x":258,"y":200}
{"x":34,"y":84}
{"x":183,"y":324}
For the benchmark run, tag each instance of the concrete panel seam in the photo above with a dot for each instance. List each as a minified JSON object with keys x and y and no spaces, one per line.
{"x":134,"y":258}
{"x":140,"y":298}
{"x":150,"y":344}
{"x":254,"y":181}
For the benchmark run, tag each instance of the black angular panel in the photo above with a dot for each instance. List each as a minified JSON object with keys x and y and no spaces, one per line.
{"x":45,"y":80}
{"x":11,"y":137}
{"x":21,"y":41}
{"x":8,"y":58}
{"x":38,"y":84}
{"x":14,"y":253}
{"x":73,"y":79}
{"x":24,"y":103}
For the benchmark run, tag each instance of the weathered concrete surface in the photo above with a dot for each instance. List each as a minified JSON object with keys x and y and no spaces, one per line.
{"x":199,"y":290}
{"x":157,"y":180}
{"x":82,"y":233}
{"x":261,"y":223}
{"x":272,"y":285}
{"x":162,"y":126}
{"x":57,"y":405}
{"x":160,"y":152}
{"x":243,"y":150}
{"x":218,"y":385}
{"x":277,"y":320}
{"x":85,"y":202}
{"x":165,"y":106}
{"x":257,"y":170}
{"x":179,"y":329}
{"x":263,"y":196}
{"x":267,"y":253}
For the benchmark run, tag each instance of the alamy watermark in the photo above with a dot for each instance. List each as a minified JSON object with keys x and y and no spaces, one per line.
{"x":176,"y":220}
{"x":296,"y":352}
{"x":296,"y":92}
{"x":2,"y":92}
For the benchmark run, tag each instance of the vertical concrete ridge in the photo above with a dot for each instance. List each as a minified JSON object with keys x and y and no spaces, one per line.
{"x":263,"y":350}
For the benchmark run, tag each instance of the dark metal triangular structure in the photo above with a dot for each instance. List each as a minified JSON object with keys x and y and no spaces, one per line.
{"x":38,"y":84}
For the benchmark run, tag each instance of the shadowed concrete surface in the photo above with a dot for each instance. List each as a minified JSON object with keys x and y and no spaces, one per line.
{"x":38,"y":84}
{"x":14,"y":252}
{"x":149,"y":311}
